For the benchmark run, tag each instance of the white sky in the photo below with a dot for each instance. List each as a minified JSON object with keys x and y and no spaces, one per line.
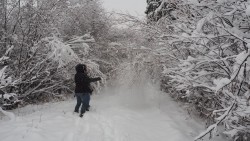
{"x":134,"y":7}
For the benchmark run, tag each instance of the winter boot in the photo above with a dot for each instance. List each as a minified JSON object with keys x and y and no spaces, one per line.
{"x":87,"y":109}
{"x":81,"y":115}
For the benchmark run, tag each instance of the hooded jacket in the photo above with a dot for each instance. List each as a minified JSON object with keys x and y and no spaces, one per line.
{"x":82,"y":80}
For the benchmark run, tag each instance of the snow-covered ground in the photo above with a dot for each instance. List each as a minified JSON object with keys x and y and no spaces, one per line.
{"x":139,"y":114}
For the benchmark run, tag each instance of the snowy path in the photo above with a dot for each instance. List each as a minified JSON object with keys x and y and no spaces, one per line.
{"x":115,"y":116}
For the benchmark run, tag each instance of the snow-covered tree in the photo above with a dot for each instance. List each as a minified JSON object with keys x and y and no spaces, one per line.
{"x":209,"y":41}
{"x":36,"y":43}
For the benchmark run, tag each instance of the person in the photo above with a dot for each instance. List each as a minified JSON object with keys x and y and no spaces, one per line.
{"x":82,"y":88}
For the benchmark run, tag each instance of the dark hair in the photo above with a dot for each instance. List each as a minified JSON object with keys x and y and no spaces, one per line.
{"x":81,"y":68}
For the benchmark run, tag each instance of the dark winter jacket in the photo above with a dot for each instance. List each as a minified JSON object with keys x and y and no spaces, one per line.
{"x":82,"y":80}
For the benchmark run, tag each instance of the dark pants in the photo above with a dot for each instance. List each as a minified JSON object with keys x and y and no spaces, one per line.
{"x":82,"y":99}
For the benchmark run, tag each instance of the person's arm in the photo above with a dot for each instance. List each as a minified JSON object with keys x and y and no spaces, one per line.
{"x":87,"y":79}
{"x":94,"y":79}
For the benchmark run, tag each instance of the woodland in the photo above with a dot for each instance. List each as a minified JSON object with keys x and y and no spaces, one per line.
{"x":197,"y":51}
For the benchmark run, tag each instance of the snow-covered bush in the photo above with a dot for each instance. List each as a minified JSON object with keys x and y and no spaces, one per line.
{"x":42,"y":41}
{"x":81,"y":17}
{"x":210,"y":43}
{"x":80,"y":44}
{"x":9,"y":101}
{"x":4,"y":79}
{"x":48,"y":72}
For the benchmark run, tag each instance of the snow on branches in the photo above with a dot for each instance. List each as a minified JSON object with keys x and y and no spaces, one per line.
{"x":210,"y":40}
{"x":42,"y":41}
{"x":60,"y":52}
{"x":4,"y":79}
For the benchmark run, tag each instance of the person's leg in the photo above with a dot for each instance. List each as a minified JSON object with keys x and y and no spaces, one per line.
{"x":85,"y":103}
{"x":83,"y":108}
{"x":78,"y":104}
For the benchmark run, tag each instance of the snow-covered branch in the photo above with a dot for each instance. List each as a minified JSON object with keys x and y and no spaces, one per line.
{"x":220,"y":120}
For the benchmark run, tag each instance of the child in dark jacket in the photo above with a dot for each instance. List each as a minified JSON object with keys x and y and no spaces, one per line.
{"x":82,"y":88}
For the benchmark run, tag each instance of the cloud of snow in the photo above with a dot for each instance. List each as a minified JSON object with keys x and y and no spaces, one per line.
{"x":133,"y":89}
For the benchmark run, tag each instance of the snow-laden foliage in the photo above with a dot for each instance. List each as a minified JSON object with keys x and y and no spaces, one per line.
{"x":80,"y":44}
{"x":60,"y":52}
{"x":5,"y":80}
{"x":41,"y":42}
{"x":7,"y":100}
{"x":83,"y":16}
{"x":48,"y":72}
{"x":210,"y":43}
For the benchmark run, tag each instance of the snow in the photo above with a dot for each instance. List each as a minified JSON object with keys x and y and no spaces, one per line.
{"x":221,"y":83}
{"x":208,"y":129}
{"x":247,"y":111}
{"x":9,"y":50}
{"x":10,"y":115}
{"x":232,"y":132}
{"x":224,"y":115}
{"x":2,"y":72}
{"x":136,"y":114}
{"x":9,"y":95}
{"x":248,"y":10}
{"x":115,"y":44}
{"x":221,"y":1}
{"x":195,"y":2}
{"x":4,"y":58}
{"x":4,"y":80}
{"x":237,"y":32}
{"x":200,"y":25}
{"x":60,"y":52}
{"x":81,"y":39}
{"x":241,"y":57}
{"x":231,"y":12}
